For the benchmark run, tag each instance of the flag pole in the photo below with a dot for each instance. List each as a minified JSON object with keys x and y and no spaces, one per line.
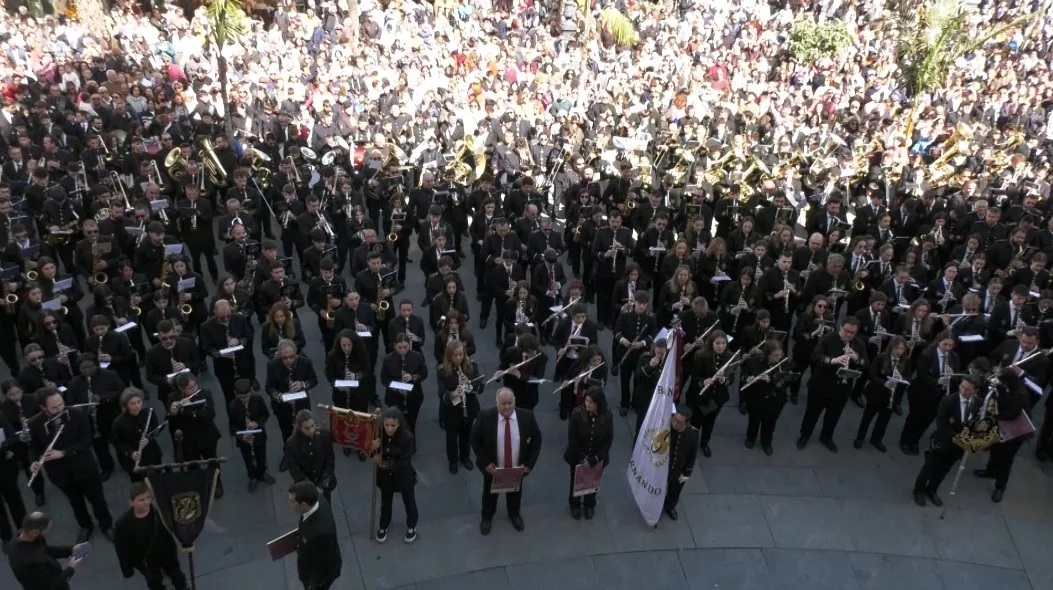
{"x":373,"y":495}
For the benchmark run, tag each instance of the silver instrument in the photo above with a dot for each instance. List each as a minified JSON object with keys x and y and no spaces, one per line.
{"x":93,"y":411}
{"x":740,"y":306}
{"x":458,"y":395}
{"x":786,"y":287}
{"x":144,"y":439}
{"x":49,"y":448}
{"x":915,"y":335}
{"x":896,"y":377}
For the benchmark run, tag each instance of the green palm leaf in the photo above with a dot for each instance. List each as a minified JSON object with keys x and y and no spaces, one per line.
{"x":620,"y":28}
{"x":227,"y":22}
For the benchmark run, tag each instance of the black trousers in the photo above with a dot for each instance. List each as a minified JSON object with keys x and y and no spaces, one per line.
{"x":458,"y":434}
{"x":11,"y":505}
{"x":285,"y":413}
{"x":9,"y":346}
{"x":705,"y":423}
{"x":605,"y":306}
{"x":762,"y":419}
{"x":513,"y":500}
{"x":625,"y":381}
{"x":672,"y":496}
{"x":1000,"y":461}
{"x":479,"y":262}
{"x":589,"y":500}
{"x":402,"y":250}
{"x":104,"y":418}
{"x":587,"y":276}
{"x":870,"y":411}
{"x":409,"y":502}
{"x":199,"y":251}
{"x":254,"y":456}
{"x":922,"y":412}
{"x":1044,"y":442}
{"x":22,"y":457}
{"x":155,"y":570}
{"x":938,"y":463}
{"x":409,"y":405}
{"x":82,"y":491}
{"x":574,"y":256}
{"x":829,"y":406}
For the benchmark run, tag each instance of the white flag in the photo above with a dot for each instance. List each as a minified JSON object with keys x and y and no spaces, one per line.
{"x":648,"y":471}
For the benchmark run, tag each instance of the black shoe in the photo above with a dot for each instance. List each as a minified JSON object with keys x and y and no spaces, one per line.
{"x":453,"y":467}
{"x":84,"y":536}
{"x":267,"y":478}
{"x":382,"y":535}
{"x":219,"y":491}
{"x":410,"y":536}
{"x":479,"y":297}
{"x":1040,"y":456}
{"x":914,"y":450}
{"x":484,"y":527}
{"x":253,"y":484}
{"x":671,"y":513}
{"x":362,"y":457}
{"x":794,"y":399}
{"x":802,"y":442}
{"x":575,"y":512}
{"x":107,"y":533}
{"x":282,"y":467}
{"x":623,"y":411}
{"x":996,"y":495}
{"x":983,"y":473}
{"x":857,"y":443}
{"x":919,"y":498}
{"x":742,"y":408}
{"x":40,"y":500}
{"x":858,"y":399}
{"x":482,"y":323}
{"x":768,"y":450}
{"x":904,"y":448}
{"x":935,"y":499}
{"x":517,"y":523}
{"x":897,"y":410}
{"x":348,"y":451}
{"x":467,"y":463}
{"x":879,"y":446}
{"x":255,"y":384}
{"x":589,"y":512}
{"x":425,"y":303}
{"x":614,"y":371}
{"x":829,"y":444}
{"x":106,"y":475}
{"x":563,"y":414}
{"x":750,"y":443}
{"x":706,"y":452}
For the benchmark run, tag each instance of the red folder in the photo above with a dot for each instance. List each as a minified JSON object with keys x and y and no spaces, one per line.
{"x":507,"y":480}
{"x":587,"y":479}
{"x":283,"y":545}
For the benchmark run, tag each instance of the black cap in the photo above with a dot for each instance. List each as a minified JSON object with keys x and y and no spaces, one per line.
{"x":242,"y":387}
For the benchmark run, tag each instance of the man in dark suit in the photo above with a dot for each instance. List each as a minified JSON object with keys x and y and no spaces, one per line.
{"x":827,"y":391}
{"x":931,"y":381}
{"x":143,"y":544}
{"x":34,"y":562}
{"x":953,"y":414}
{"x":683,"y":451}
{"x":504,"y":437}
{"x":318,"y":560}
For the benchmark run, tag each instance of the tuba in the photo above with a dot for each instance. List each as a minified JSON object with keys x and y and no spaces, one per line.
{"x":211,"y":160}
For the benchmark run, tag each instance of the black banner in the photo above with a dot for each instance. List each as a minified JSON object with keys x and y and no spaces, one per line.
{"x":182,"y":499}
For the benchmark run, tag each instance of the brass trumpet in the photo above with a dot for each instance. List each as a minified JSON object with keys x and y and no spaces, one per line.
{"x":186,"y":309}
{"x":382,"y":309}
{"x":11,"y":299}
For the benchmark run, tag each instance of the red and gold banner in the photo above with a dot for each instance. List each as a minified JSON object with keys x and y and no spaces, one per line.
{"x":352,"y":429}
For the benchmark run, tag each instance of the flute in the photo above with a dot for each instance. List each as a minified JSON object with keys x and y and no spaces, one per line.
{"x":144,"y":439}
{"x":502,"y":372}
{"x":578,"y":378}
{"x":698,"y":341}
{"x":720,"y":372}
{"x":560,"y":312}
{"x":43,"y":458}
{"x":758,"y":377}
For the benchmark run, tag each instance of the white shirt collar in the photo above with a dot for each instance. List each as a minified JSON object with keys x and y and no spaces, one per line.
{"x":311,"y":511}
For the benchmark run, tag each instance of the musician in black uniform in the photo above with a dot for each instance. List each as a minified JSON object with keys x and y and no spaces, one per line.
{"x":683,"y":451}
{"x":632,"y":336}
{"x":18,"y":409}
{"x":34,"y":562}
{"x":172,"y":354}
{"x":954,"y":413}
{"x":1012,"y":401}
{"x":289,"y":373}
{"x":765,"y":395}
{"x":247,"y":411}
{"x":407,"y":323}
{"x":610,"y":249}
{"x":192,"y":411}
{"x":589,"y":438}
{"x":516,"y":377}
{"x":647,"y":372}
{"x":827,"y":392}
{"x":885,"y":384}
{"x":408,"y":368}
{"x":144,"y":545}
{"x":280,"y":289}
{"x":195,"y":229}
{"x":10,"y":494}
{"x":460,"y":384}
{"x":373,"y":290}
{"x":710,"y":381}
{"x":227,"y":330}
{"x":309,"y":454}
{"x":931,"y":381}
{"x":103,"y":387}
{"x":69,"y":465}
{"x":134,"y":435}
{"x":356,"y":317}
{"x":501,"y":278}
{"x":324,"y":296}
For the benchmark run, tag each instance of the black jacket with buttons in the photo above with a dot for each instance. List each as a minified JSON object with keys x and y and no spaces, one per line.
{"x":589,"y":435}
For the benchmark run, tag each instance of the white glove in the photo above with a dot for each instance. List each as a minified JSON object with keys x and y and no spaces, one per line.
{"x":682,"y":479}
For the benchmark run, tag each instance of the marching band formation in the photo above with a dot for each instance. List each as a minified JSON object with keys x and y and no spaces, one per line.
{"x":817,"y":262}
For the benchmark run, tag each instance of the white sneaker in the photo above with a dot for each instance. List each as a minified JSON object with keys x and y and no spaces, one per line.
{"x":382,"y":535}
{"x":411,"y":536}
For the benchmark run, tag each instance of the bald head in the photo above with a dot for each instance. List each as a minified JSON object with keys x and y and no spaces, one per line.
{"x":506,"y":402}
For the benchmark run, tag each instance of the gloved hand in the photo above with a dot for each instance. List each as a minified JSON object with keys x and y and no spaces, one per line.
{"x":682,"y":479}
{"x":592,"y":460}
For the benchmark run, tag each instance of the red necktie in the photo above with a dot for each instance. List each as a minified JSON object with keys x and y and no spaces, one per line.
{"x":508,"y":442}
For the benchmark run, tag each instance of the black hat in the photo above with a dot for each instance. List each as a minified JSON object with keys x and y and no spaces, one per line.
{"x":242,"y":387}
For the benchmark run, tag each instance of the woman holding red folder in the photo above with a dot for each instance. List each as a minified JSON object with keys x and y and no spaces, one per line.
{"x":591,"y":432}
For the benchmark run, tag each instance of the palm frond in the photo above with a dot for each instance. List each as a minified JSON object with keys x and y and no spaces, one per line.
{"x":227,"y":20}
{"x":620,"y":28}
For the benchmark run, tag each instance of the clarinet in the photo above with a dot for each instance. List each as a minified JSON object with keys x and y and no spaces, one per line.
{"x":93,"y":412}
{"x":349,"y":376}
{"x":24,"y":435}
{"x":892,"y":390}
{"x":252,"y":438}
